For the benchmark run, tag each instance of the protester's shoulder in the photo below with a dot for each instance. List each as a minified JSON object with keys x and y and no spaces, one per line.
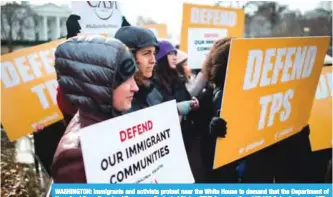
{"x":154,"y":97}
{"x":158,"y":86}
{"x":155,"y":81}
{"x":146,"y":97}
{"x":93,"y":39}
{"x":206,"y":95}
{"x":70,"y":139}
{"x":68,"y":167}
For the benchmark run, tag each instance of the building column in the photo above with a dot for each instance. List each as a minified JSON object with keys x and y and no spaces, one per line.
{"x":63,"y":27}
{"x":45,"y":29}
{"x":57,"y":28}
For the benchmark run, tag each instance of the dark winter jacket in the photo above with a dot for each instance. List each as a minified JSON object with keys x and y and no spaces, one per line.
{"x":209,"y":140}
{"x":64,"y":105}
{"x":73,"y":29}
{"x":230,"y":172}
{"x":88,"y":70}
{"x":284,"y":162}
{"x":146,"y":97}
{"x":328,"y":176}
{"x":180,"y":93}
{"x":68,"y":166}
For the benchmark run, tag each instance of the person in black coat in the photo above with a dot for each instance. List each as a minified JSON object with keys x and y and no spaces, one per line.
{"x":214,"y":69}
{"x":284,"y":162}
{"x":172,"y":86}
{"x":320,"y":159}
{"x":328,"y":174}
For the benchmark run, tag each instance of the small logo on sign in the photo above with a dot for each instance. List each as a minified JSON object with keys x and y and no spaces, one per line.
{"x":103,"y":9}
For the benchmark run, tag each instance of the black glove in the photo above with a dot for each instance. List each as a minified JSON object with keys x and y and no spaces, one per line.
{"x":218,"y":127}
{"x":73,"y":26}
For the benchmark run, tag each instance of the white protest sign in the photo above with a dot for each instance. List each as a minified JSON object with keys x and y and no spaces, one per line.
{"x":200,"y":40}
{"x":202,"y":25}
{"x":98,"y":17}
{"x":141,"y":147}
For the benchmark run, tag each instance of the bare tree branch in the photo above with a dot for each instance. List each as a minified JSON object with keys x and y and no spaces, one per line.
{"x":15,"y":16}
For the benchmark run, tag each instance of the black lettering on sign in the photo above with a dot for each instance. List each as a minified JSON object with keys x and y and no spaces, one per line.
{"x":199,"y":42}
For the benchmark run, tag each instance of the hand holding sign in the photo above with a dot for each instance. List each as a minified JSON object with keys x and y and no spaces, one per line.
{"x":98,"y":17}
{"x":140,"y":147}
{"x":194,"y":103}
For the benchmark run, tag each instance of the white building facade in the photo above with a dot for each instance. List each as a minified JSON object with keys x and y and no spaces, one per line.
{"x":51,"y":23}
{"x":48,"y":23}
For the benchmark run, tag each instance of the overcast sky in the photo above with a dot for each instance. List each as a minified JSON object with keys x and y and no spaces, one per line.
{"x":170,"y":11}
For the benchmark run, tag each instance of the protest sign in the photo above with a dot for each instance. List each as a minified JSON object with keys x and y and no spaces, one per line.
{"x":98,"y":17}
{"x":140,"y":147}
{"x":321,"y":116}
{"x":160,"y":30}
{"x":28,"y":89}
{"x":203,"y":25}
{"x":268,"y":92}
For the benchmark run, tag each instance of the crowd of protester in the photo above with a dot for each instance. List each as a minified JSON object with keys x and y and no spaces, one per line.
{"x":101,"y":78}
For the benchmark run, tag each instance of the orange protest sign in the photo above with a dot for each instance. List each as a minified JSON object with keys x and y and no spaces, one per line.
{"x":28,"y":89}
{"x":268,"y":94}
{"x":160,"y":30}
{"x":321,"y":116}
{"x":203,"y":25}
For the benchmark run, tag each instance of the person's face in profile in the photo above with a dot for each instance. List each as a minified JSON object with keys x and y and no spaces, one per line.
{"x":172,"y":59}
{"x":123,"y":95}
{"x":146,"y":61}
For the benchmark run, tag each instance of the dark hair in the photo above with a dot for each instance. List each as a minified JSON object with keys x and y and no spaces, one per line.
{"x":72,"y":25}
{"x":125,"y":22}
{"x":215,"y":65}
{"x":184,"y":73}
{"x":165,"y":75}
{"x":180,"y":68}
